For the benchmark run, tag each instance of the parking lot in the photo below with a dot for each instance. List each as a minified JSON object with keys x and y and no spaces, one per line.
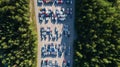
{"x":55,"y":26}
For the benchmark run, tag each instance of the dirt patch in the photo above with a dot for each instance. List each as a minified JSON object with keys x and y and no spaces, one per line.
{"x":33,"y":25}
{"x":32,"y":14}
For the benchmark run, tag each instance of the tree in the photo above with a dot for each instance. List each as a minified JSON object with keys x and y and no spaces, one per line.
{"x":17,"y":42}
{"x":97,"y":24}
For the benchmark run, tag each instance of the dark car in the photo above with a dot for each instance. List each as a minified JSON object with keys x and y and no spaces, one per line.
{"x":68,"y":63}
{"x":54,"y":18}
{"x":68,"y":51}
{"x":69,"y":12}
{"x":56,"y":64}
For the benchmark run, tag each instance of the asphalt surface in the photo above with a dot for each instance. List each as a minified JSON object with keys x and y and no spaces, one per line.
{"x":68,"y":41}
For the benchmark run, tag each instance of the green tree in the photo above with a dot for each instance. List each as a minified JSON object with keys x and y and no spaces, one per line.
{"x":17,"y":42}
{"x":98,"y":25}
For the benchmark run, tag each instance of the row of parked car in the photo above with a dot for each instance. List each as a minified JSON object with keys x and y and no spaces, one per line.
{"x":66,"y":31}
{"x":50,"y":35}
{"x":54,"y":35}
{"x":57,"y":15}
{"x":55,"y":1}
{"x":54,"y":50}
{"x":51,"y":63}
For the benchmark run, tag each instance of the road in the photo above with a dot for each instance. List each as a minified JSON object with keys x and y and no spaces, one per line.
{"x":69,"y":41}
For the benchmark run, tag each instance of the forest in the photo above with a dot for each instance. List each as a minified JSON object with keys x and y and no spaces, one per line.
{"x":17,"y":39}
{"x":97,"y":23}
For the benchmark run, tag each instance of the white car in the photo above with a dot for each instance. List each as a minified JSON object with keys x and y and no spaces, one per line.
{"x":40,"y":1}
{"x":62,"y":17}
{"x":40,"y":19}
{"x":40,"y":12}
{"x":63,"y":9}
{"x":47,"y":18}
{"x":48,"y":13}
{"x":58,"y":12}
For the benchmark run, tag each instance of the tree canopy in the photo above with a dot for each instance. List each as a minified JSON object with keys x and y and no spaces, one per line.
{"x":98,"y":27}
{"x":17,"y":42}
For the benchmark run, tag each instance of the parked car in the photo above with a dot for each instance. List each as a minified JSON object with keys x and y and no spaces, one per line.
{"x":56,"y":64}
{"x":43,"y":10}
{"x":50,"y":63}
{"x":43,"y":64}
{"x":62,"y":17}
{"x":48,"y":1}
{"x":59,"y":1}
{"x":49,"y":13}
{"x":68,"y":33}
{"x":64,"y":63}
{"x":68,"y":63}
{"x":69,"y":11}
{"x":69,"y":50}
{"x":40,"y":1}
{"x":46,"y":19}
{"x":40,"y":19}
{"x":57,"y":12}
{"x":59,"y":53}
{"x":63,"y":9}
{"x":54,"y":18}
{"x":66,"y":26}
{"x":69,"y":2}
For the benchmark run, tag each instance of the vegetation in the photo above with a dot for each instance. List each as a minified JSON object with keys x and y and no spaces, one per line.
{"x":17,"y":37}
{"x":98,"y":28}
